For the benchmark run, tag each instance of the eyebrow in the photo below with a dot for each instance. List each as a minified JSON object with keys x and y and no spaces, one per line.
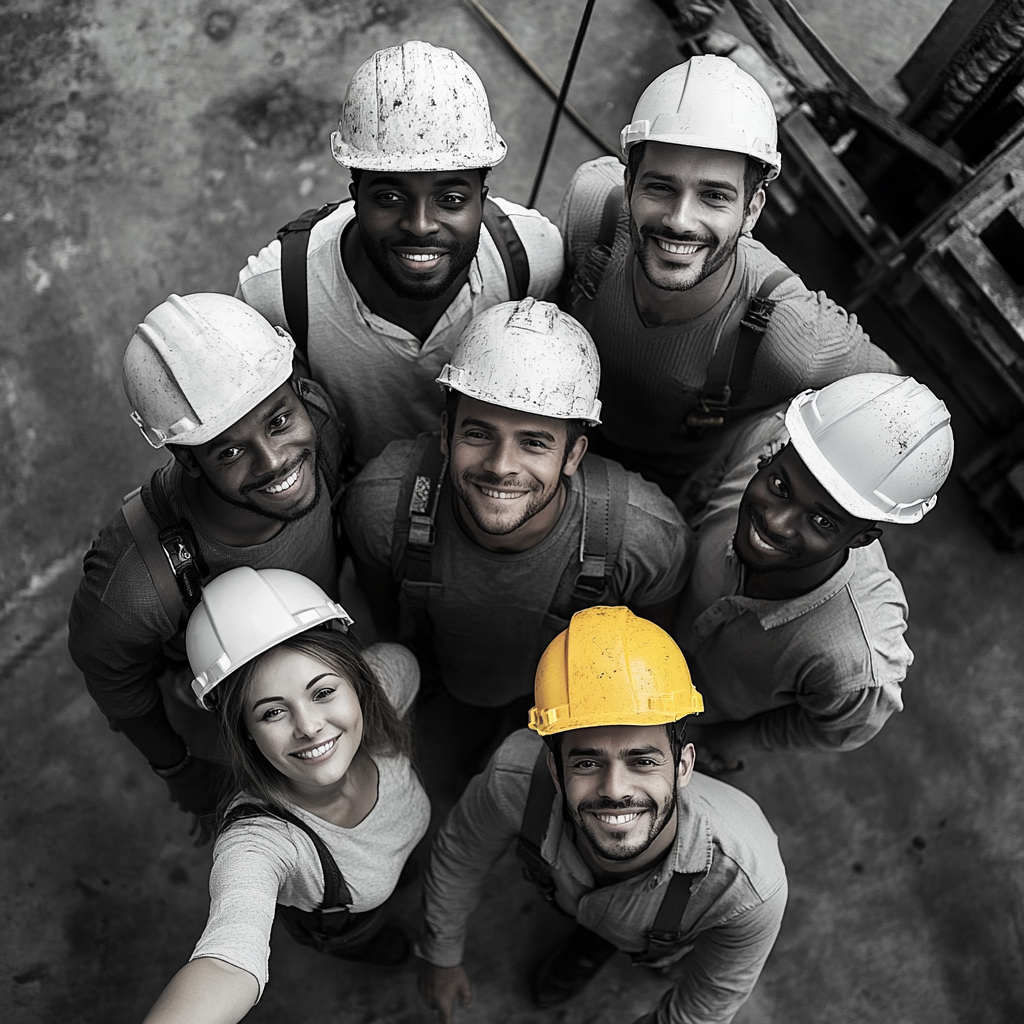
{"x":672,"y":179}
{"x":270,"y":700}
{"x":629,"y":752}
{"x":543,"y":435}
{"x":387,"y":181}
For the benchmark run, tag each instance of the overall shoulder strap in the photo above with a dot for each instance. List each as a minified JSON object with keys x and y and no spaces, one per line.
{"x":535,"y":825}
{"x":336,"y":891}
{"x":605,"y":504}
{"x":510,"y":248}
{"x":416,"y":512}
{"x":146,"y":535}
{"x":732,"y":364}
{"x":294,"y":238}
{"x":665,"y":934}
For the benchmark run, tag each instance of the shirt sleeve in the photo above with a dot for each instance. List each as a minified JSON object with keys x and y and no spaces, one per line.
{"x":478,"y":830}
{"x":251,"y":862}
{"x":259,"y":284}
{"x":657,"y":547}
{"x":579,"y":217}
{"x":543,"y":244}
{"x":720,"y":972}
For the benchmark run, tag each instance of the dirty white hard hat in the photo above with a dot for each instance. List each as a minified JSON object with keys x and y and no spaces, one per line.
{"x":881,"y":445}
{"x":710,"y":103}
{"x":198,"y":364}
{"x":245,"y":612}
{"x":528,"y":356}
{"x":416,"y":107}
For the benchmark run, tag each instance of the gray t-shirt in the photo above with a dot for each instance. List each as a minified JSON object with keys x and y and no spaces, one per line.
{"x":381,"y":377}
{"x":260,"y":862}
{"x":490,"y":617}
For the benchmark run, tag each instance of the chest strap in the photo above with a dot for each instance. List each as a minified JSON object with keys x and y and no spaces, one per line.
{"x":664,"y":937}
{"x":336,"y":891}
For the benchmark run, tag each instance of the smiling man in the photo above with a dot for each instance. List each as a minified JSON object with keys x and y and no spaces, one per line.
{"x":792,"y":621}
{"x":392,"y":278}
{"x":256,"y":464}
{"x":674,"y":869}
{"x":664,"y":274}
{"x":486,"y":538}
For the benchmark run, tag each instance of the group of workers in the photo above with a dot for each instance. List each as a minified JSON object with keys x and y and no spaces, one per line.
{"x":612,"y":491}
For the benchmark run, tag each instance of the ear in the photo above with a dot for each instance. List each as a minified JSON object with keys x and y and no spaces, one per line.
{"x":484,"y":192}
{"x":865,"y":537}
{"x":686,"y":762}
{"x":444,"y":434}
{"x":757,"y":202}
{"x":579,"y":449}
{"x":553,"y":768}
{"x":186,"y":459}
{"x":627,"y":186}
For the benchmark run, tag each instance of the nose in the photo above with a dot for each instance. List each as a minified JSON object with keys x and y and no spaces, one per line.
{"x":308,"y":721}
{"x":682,"y":217}
{"x":419,"y":219}
{"x":615,"y":782}
{"x":781,"y":519}
{"x":269,"y":457}
{"x":502,"y":458}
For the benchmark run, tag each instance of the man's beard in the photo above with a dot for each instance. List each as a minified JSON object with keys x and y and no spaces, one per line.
{"x":718,"y":255}
{"x":623,"y":851}
{"x":459,"y":258}
{"x":307,"y":457}
{"x":537,"y":502}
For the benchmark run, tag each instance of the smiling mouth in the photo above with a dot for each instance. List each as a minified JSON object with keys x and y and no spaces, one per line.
{"x":759,"y":542}
{"x":500,"y":495}
{"x":308,"y":755}
{"x":622,"y":818}
{"x":679,"y":248}
{"x":286,"y":484}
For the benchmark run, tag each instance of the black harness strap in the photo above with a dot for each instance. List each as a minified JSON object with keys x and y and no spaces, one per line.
{"x":664,"y":937}
{"x":294,"y":238}
{"x":147,"y":540}
{"x":510,"y":248}
{"x":336,"y":891}
{"x":605,"y":504}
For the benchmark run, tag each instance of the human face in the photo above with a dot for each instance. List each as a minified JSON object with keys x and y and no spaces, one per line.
{"x":788,"y":521}
{"x":265,"y":462}
{"x":620,"y":787}
{"x":304,"y":718}
{"x":420,"y":231}
{"x":507,"y":466}
{"x":687,"y":213}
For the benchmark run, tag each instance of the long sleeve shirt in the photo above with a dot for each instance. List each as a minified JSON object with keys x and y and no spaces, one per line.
{"x":731,"y":920}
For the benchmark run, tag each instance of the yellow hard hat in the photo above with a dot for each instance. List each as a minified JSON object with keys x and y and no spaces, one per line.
{"x":611,"y":668}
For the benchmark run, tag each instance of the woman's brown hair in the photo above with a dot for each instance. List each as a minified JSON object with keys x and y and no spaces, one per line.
{"x":384,"y":732}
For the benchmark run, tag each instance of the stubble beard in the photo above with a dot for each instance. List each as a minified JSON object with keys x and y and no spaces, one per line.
{"x":459,"y":258}
{"x":309,"y":457}
{"x":537,"y":503}
{"x":646,"y":249}
{"x":623,"y":851}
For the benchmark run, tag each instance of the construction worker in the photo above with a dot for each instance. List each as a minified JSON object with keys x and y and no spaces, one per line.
{"x":325,"y":806}
{"x":388,"y":280}
{"x":697,"y":324}
{"x":255,"y":465}
{"x":483,"y":540}
{"x":670,"y":867}
{"x":792,"y":621}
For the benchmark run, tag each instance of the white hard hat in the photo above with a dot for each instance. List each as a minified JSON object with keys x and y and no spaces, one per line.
{"x":416,"y":107}
{"x":881,"y":445}
{"x":245,"y":612}
{"x":711,"y":103}
{"x":528,"y":356}
{"x":198,"y":364}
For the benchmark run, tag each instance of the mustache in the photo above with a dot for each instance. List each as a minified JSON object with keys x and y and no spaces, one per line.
{"x":762,"y":527}
{"x":270,"y":478}
{"x":606,"y":804}
{"x":686,"y":238}
{"x":493,"y":480}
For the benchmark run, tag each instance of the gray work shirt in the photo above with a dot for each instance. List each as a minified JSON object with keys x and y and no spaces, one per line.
{"x":490,"y":616}
{"x":822,"y":670}
{"x":730,"y":923}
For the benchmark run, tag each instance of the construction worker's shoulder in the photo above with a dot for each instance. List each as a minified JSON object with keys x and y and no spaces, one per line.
{"x":518,"y":754}
{"x":398,"y":461}
{"x":649,"y":500}
{"x":741,"y":831}
{"x":583,"y":204}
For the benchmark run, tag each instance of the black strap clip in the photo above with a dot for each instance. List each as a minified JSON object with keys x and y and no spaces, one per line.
{"x":182,"y":551}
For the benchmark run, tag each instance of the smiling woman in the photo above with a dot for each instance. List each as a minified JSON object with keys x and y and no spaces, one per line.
{"x":324,"y":807}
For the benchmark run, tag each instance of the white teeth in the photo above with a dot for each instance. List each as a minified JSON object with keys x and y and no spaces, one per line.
{"x":680,"y":249}
{"x":619,"y":819}
{"x":757,"y":542}
{"x":289,"y":481}
{"x":418,"y":257}
{"x":503,"y":495}
{"x":317,"y":751}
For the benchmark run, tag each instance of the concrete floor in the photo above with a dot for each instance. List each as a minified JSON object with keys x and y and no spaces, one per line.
{"x":142,"y":155}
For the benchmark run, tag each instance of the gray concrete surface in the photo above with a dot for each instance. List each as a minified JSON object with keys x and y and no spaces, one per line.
{"x":148,"y":148}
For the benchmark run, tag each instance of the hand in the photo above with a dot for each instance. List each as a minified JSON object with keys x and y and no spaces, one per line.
{"x":719,"y":748}
{"x":439,"y":987}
